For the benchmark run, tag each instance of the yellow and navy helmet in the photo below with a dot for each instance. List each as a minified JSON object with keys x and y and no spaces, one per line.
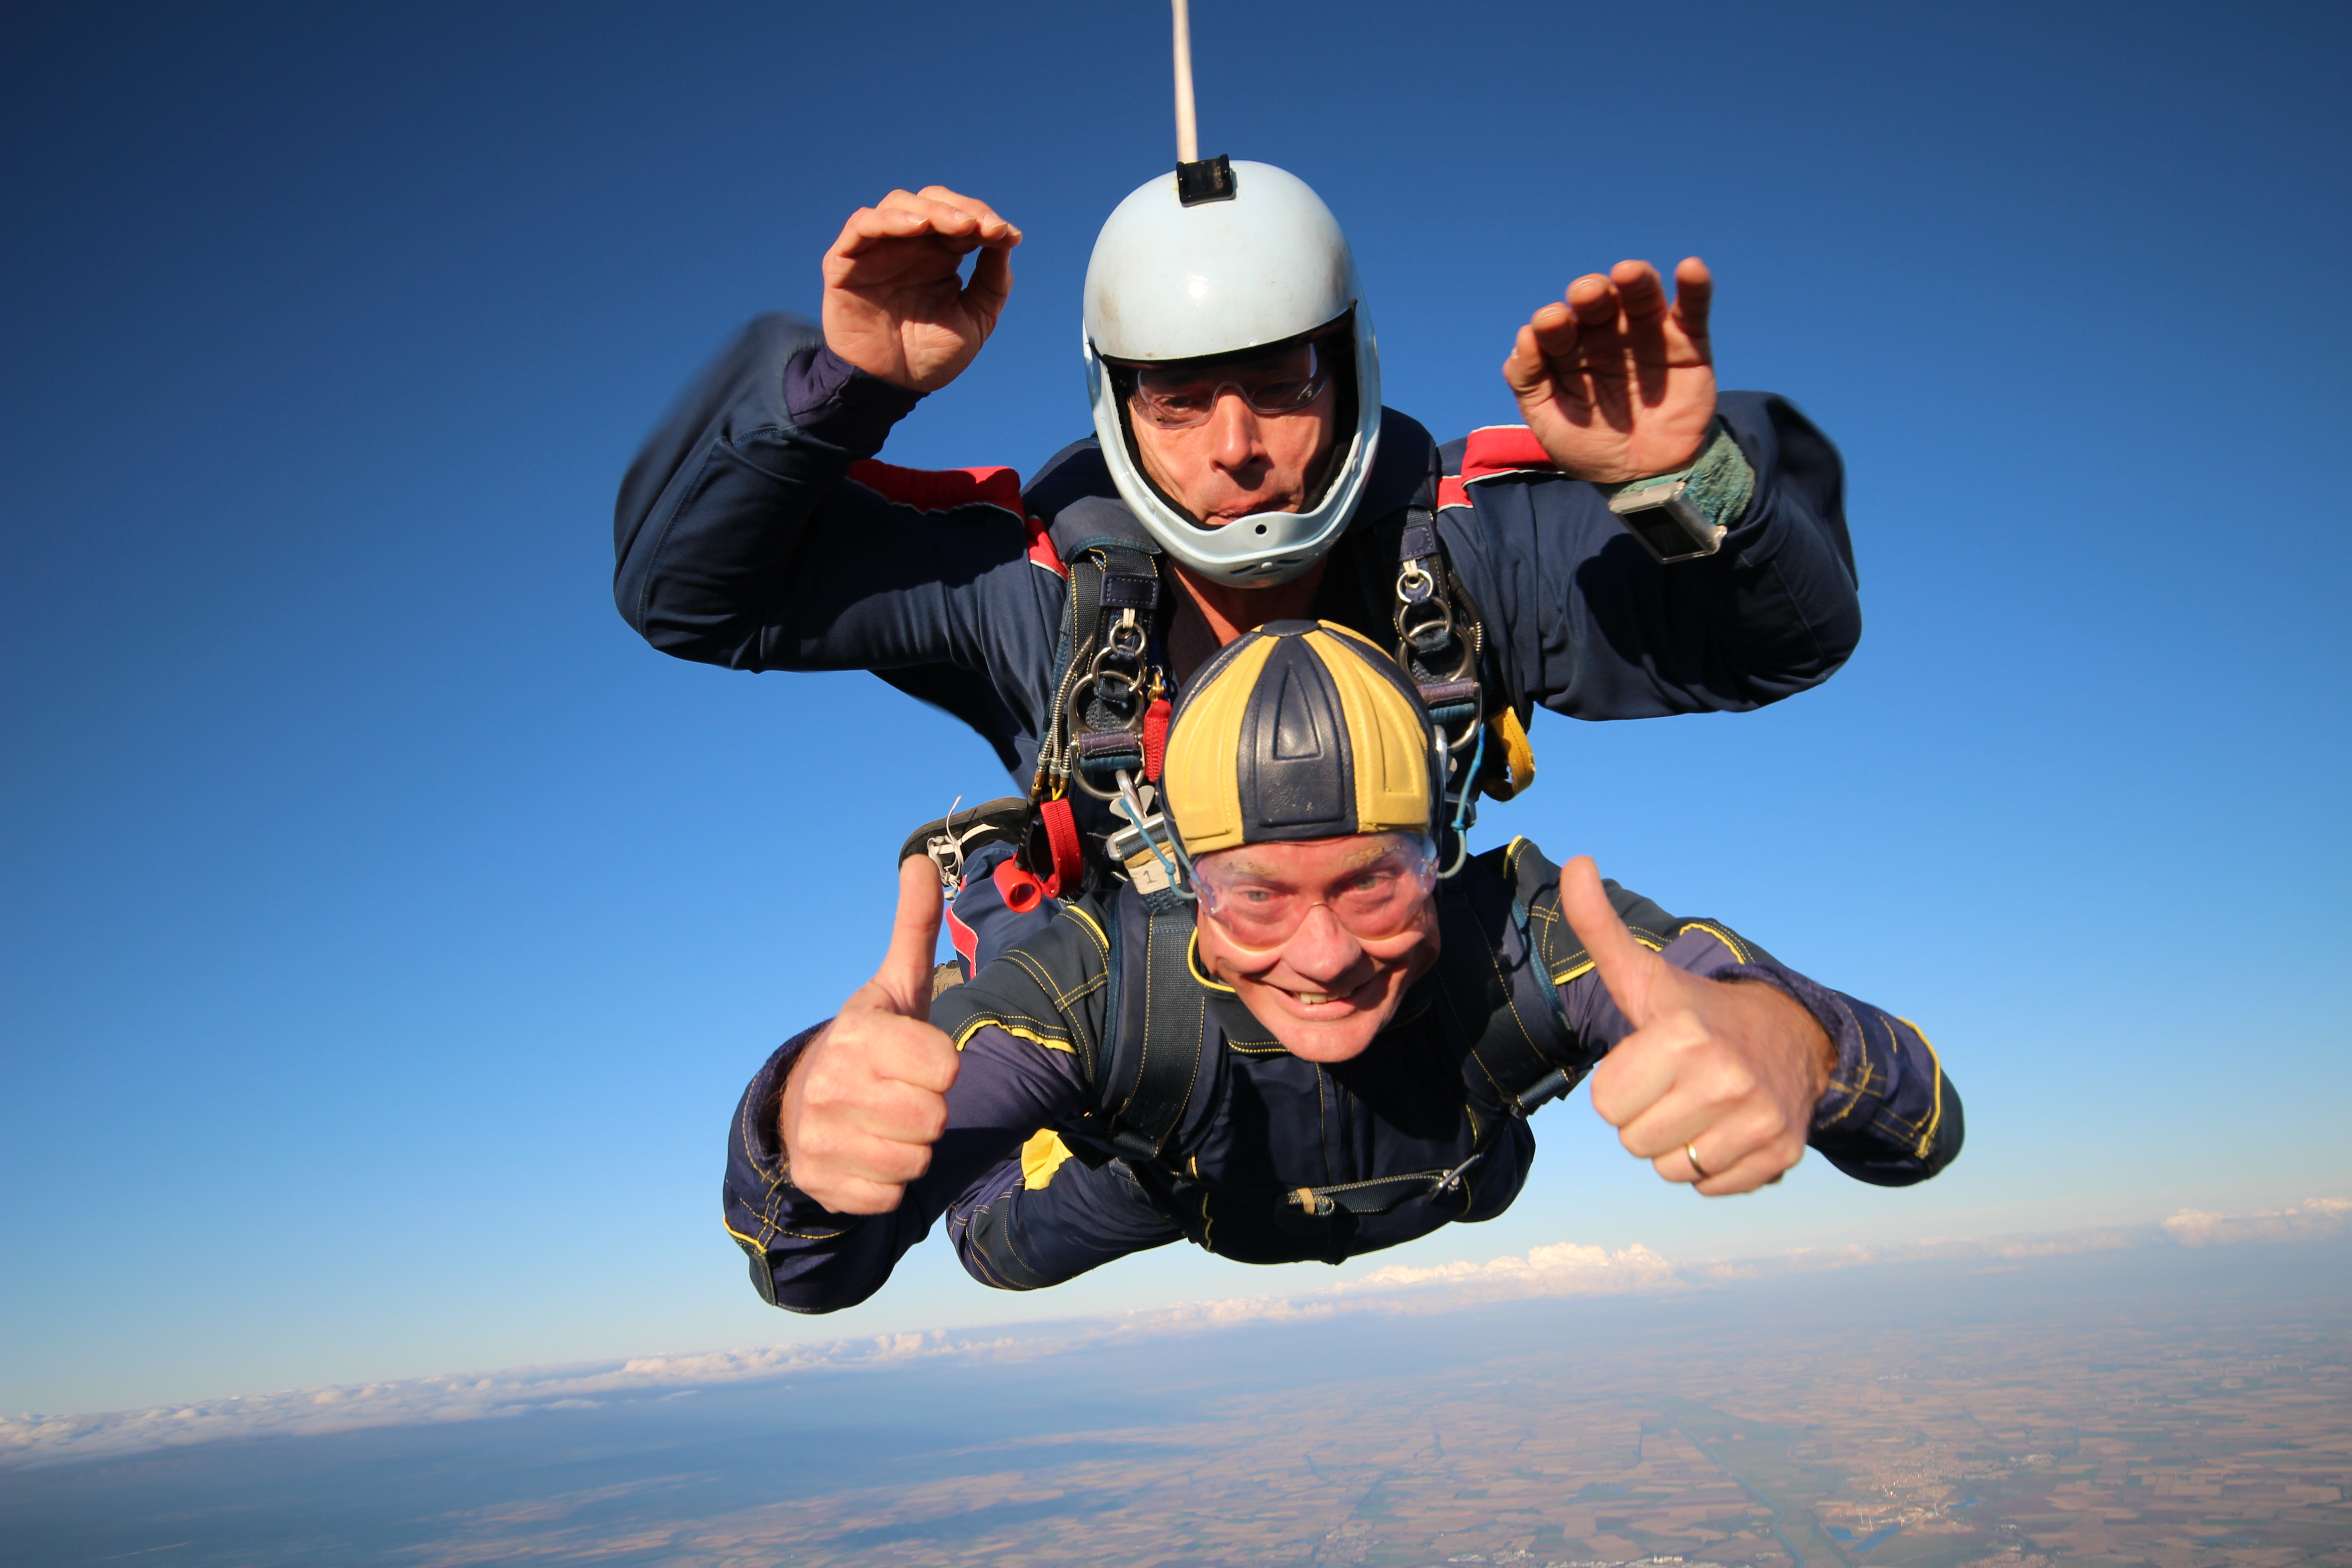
{"x":1299,"y":729}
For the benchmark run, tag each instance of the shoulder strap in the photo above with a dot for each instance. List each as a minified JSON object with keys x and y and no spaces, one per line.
{"x":1499,"y":992}
{"x":1107,"y":688}
{"x":1158,"y":1052}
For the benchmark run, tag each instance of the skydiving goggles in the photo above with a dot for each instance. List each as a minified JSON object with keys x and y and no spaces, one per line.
{"x":1375,"y":897}
{"x":1276,"y":381}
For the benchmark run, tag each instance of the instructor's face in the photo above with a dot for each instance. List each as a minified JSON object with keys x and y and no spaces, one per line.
{"x":1239,"y":461}
{"x":1324,"y":990}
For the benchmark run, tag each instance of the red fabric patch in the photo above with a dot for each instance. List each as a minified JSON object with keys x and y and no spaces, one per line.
{"x":1500,"y":449}
{"x":941,"y":490}
{"x":1042,"y":550}
{"x":1062,"y":837}
{"x":1452,"y":491}
{"x":1155,"y":738}
{"x":965,"y":939}
{"x":945,"y":490}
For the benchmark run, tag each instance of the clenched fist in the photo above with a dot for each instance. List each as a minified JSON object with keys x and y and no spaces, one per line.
{"x":868,"y":1097}
{"x":1717,"y":1082}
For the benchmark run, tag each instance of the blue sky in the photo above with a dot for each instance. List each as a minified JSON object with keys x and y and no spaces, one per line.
{"x":389,"y":931}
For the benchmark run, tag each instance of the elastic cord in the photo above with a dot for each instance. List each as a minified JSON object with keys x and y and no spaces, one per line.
{"x":1128,"y":807}
{"x":1465,"y":815}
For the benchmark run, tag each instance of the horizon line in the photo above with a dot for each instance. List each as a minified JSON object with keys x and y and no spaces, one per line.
{"x":1558,"y":1269}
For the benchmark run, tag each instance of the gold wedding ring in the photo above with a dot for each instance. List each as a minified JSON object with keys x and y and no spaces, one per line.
{"x":1690,"y":1152}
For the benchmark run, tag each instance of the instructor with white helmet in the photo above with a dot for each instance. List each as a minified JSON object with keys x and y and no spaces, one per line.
{"x":1641,"y":546}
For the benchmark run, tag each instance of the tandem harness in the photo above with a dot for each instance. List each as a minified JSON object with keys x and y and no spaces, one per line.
{"x":1156,"y":1071}
{"x":1107,"y":726}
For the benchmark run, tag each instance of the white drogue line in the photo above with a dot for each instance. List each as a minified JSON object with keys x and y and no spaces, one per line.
{"x":1188,"y":137}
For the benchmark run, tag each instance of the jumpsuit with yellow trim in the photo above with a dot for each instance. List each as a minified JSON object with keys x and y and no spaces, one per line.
{"x":1030,"y":1198}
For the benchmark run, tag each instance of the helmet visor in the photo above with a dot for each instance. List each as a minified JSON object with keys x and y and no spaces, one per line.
{"x":1378,"y":895}
{"x":1284,"y":379}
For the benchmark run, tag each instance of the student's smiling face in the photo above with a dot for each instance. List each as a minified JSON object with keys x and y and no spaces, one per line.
{"x":1323,"y":989}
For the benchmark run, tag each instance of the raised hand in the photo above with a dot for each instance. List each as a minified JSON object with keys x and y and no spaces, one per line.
{"x":1728,"y":1070}
{"x":867,"y":1098}
{"x":895,"y":305}
{"x":1616,"y":383}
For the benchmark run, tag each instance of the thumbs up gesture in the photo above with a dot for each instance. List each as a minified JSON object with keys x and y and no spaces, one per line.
{"x":868,"y":1097}
{"x":1716,"y":1084}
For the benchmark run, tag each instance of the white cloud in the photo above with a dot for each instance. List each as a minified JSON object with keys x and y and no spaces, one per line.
{"x":1564,"y":1268}
{"x":2308,"y":1220}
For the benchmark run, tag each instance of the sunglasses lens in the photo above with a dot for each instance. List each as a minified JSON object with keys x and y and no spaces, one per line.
{"x":1176,"y":397}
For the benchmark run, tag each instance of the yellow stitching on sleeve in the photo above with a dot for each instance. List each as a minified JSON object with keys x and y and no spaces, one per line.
{"x":1936,"y":1110}
{"x":1738,"y":949}
{"x":993,"y":1022}
{"x":1576,"y":971}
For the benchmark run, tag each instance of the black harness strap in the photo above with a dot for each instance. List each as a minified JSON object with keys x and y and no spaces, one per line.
{"x":1501,"y":995}
{"x":1438,"y":652}
{"x":1441,"y":644}
{"x":1161,"y":1013}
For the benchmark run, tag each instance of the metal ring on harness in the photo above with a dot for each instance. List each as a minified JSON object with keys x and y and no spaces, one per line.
{"x":1098,"y":671}
{"x":1125,"y":638}
{"x":1427,"y":623}
{"x":1075,"y":727}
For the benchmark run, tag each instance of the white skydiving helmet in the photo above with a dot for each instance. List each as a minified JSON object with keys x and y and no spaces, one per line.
{"x":1171,"y":281}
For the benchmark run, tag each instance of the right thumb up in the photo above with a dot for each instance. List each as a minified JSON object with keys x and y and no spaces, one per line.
{"x":903,"y":984}
{"x":867,"y":1098}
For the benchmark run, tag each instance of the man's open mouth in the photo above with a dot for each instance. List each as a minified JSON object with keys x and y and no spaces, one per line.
{"x":1330,"y":1001}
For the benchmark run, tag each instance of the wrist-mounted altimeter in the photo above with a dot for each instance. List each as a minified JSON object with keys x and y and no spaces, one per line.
{"x":1685,"y":514}
{"x":1662,"y":516}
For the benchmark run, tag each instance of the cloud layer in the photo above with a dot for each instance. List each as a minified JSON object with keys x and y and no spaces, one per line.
{"x":1564,"y":1268}
{"x":2311,"y":1219}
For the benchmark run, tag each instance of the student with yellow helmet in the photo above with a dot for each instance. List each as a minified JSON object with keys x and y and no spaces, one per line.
{"x":1291,"y":1033}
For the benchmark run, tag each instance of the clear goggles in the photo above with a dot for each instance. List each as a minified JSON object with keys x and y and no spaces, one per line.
{"x":1282,"y":380}
{"x":1377,"y":896}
